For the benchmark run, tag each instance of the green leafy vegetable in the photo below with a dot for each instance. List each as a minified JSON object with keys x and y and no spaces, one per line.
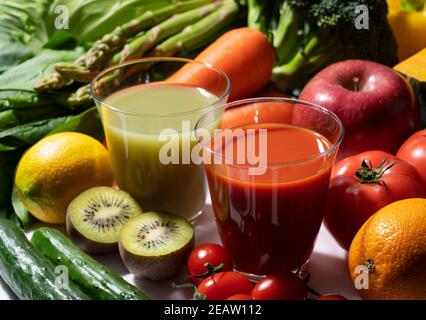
{"x":29,"y":133}
{"x":21,"y":99}
{"x":24,"y":218}
{"x":22,"y":21}
{"x":87,"y":122}
{"x":12,"y":53}
{"x":89,"y":20}
{"x":28,"y":73}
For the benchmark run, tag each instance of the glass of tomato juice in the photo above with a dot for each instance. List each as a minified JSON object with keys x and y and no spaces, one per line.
{"x":268,"y":163}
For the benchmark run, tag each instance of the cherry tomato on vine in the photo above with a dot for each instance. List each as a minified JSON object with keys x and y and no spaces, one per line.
{"x":361,"y":185}
{"x":413,"y":150}
{"x":207,"y":253}
{"x":222,"y":285}
{"x":280,"y":286}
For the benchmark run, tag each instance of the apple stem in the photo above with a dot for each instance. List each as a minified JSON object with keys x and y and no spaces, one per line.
{"x":356,"y":83}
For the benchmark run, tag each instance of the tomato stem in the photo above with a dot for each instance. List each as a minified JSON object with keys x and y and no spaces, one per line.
{"x":210,"y":270}
{"x":368,"y":174}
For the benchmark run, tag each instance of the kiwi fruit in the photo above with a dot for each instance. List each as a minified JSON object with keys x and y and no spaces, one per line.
{"x":156,"y":245}
{"x":96,"y":216}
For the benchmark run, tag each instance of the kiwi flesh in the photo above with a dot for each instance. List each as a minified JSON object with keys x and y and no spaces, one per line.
{"x":156,"y":245}
{"x":96,"y":216}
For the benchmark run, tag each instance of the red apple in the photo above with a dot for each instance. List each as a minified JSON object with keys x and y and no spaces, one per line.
{"x":376,"y":105}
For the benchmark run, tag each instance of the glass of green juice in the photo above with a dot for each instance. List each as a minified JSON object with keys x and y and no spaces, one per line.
{"x":149,"y":108}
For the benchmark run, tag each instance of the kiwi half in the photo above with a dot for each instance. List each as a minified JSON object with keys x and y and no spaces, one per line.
{"x":96,"y":216}
{"x":156,"y":245}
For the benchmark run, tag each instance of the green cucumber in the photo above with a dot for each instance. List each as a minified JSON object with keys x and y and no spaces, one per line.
{"x":95,"y":279}
{"x":27,"y":272}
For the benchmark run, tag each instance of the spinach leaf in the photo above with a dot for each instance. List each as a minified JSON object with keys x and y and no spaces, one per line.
{"x":12,"y":53}
{"x":24,"y":218}
{"x":11,"y":118}
{"x":29,"y":133}
{"x":25,"y":75}
{"x":21,"y":99}
{"x":87,"y":122}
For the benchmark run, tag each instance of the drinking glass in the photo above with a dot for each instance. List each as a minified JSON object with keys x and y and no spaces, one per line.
{"x":268,"y":163}
{"x":149,"y":108}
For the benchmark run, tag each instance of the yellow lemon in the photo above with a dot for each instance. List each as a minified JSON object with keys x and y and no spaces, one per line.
{"x":57,"y":169}
{"x":392,"y":247}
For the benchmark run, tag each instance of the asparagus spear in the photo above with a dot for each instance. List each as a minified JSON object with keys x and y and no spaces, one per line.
{"x":110,"y":43}
{"x":80,"y":98}
{"x":146,"y":41}
{"x":76,"y":72}
{"x":175,"y":24}
{"x":53,"y":81}
{"x":193,"y":36}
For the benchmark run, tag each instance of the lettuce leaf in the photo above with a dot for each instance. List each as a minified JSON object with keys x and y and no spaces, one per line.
{"x":89,"y":20}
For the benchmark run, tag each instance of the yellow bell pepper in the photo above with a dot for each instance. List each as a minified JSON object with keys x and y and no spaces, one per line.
{"x":409,"y":29}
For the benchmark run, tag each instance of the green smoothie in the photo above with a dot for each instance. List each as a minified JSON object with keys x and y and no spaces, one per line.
{"x":133,"y":138}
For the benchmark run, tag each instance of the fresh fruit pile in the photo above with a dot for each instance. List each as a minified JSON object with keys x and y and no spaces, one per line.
{"x":55,"y":170}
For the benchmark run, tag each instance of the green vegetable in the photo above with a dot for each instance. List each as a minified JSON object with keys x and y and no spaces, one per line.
{"x":308,"y":35}
{"x":22,"y":22}
{"x":87,"y":122}
{"x":96,"y":280}
{"x":110,"y":43}
{"x":201,"y":33}
{"x":172,"y":26}
{"x":12,"y":53}
{"x":25,"y":219}
{"x":25,"y":75}
{"x":27,"y":272}
{"x":89,"y":20}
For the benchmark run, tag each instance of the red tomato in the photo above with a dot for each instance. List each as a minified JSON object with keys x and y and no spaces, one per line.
{"x":240,"y":296}
{"x":210,"y":253}
{"x":361,"y":185}
{"x":223,"y":285}
{"x":331,"y":297}
{"x":280,"y":286}
{"x":414,"y":152}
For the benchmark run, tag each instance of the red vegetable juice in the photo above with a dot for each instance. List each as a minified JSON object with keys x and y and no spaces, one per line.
{"x":269,"y":222}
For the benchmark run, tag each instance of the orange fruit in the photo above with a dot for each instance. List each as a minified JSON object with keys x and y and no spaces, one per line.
{"x":392,"y":247}
{"x":57,"y":169}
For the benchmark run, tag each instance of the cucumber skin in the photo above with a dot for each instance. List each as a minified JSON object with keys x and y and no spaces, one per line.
{"x":93,"y":278}
{"x":27,"y":272}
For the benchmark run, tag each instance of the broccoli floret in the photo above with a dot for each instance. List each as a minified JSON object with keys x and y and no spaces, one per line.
{"x":308,"y":35}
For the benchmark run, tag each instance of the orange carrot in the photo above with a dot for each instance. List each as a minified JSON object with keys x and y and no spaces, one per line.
{"x":244,"y":54}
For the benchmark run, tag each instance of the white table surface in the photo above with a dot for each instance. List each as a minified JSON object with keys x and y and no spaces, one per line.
{"x":327,"y":266}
